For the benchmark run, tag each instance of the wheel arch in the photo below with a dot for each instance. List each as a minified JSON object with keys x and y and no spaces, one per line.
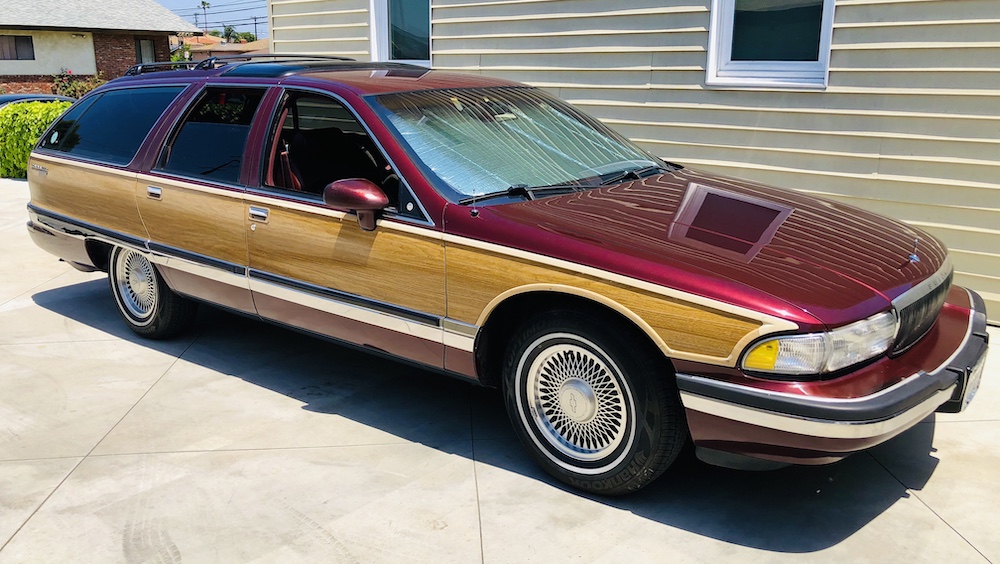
{"x":99,"y":253}
{"x":505,"y":313}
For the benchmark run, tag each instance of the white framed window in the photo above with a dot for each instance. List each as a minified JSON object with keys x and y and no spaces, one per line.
{"x":401,"y":31}
{"x":770,"y":43}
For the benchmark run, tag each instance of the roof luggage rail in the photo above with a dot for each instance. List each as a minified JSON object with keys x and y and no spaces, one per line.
{"x":141,"y":68}
{"x":211,"y":62}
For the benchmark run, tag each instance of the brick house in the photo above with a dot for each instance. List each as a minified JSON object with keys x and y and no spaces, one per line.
{"x":41,"y":38}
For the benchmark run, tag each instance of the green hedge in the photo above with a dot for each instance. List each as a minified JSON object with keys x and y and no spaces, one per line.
{"x":21,"y":124}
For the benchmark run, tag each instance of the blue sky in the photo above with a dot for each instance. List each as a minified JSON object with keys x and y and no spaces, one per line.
{"x":237,"y":13}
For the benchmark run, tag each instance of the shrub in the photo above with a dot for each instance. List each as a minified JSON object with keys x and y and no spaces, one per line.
{"x":21,"y":124}
{"x":67,"y":84}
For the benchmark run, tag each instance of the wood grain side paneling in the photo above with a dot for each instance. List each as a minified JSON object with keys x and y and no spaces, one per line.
{"x":193,"y":218}
{"x":477,"y":277}
{"x":99,"y":195}
{"x":386,"y":265}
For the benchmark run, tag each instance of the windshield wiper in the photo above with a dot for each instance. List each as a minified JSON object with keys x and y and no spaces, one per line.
{"x":631,"y":174}
{"x":529,"y":192}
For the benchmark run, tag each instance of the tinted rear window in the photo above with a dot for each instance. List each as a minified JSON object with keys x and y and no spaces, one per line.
{"x":210,"y":142}
{"x":112,"y":126}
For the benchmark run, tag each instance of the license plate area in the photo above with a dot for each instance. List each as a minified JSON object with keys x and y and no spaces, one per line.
{"x":975,"y":376}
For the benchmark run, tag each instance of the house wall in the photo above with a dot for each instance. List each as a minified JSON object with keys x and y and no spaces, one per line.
{"x":115,"y":52}
{"x":909,"y":125}
{"x":54,"y":51}
{"x":25,"y":84}
{"x":320,"y":27}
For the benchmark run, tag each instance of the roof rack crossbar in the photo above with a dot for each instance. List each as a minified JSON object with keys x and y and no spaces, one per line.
{"x":135,"y":70}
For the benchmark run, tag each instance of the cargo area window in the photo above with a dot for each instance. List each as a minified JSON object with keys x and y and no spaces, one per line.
{"x":110,"y":127}
{"x":210,"y":141}
{"x":770,"y":43}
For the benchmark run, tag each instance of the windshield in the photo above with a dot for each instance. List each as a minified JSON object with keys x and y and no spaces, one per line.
{"x":481,"y":141}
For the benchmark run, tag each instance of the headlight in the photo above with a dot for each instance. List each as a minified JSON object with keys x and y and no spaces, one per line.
{"x":816,"y":353}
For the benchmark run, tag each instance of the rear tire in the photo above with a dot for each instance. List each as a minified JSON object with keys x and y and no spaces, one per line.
{"x":596,"y":409}
{"x":147,"y":305}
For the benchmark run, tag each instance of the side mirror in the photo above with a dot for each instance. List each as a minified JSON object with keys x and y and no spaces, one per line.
{"x":358,"y":195}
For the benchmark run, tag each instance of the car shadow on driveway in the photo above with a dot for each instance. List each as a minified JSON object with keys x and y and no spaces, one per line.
{"x":793,"y":510}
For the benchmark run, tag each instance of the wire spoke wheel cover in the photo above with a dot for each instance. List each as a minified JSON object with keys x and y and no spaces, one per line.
{"x":135,"y":286}
{"x":577,"y":403}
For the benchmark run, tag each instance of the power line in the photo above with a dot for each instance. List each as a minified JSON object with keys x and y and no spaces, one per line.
{"x":222,"y":5}
{"x":242,"y":21}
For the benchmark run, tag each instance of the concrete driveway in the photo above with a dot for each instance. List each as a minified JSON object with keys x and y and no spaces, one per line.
{"x":244,"y":442}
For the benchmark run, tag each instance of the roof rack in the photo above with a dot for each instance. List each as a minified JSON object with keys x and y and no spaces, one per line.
{"x":135,"y":70}
{"x":213,"y":62}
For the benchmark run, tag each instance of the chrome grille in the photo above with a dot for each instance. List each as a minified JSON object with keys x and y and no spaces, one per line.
{"x":917,"y":317}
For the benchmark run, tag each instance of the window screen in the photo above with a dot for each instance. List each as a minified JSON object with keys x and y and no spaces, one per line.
{"x":211,"y":140}
{"x":16,"y":48}
{"x":777,"y":30}
{"x":409,"y":30}
{"x":112,"y":126}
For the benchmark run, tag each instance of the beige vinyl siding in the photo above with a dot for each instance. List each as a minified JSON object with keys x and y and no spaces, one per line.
{"x":908,"y":127}
{"x":320,"y":27}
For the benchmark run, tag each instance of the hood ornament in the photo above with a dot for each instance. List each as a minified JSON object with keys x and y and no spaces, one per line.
{"x":914,"y":258}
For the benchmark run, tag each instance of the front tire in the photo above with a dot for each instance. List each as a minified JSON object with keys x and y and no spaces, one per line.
{"x":596,"y":409}
{"x":146,"y":304}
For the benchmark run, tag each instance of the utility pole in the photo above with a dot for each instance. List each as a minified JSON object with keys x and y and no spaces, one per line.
{"x":204,"y":10}
{"x":196,"y":19}
{"x":255,"y":36}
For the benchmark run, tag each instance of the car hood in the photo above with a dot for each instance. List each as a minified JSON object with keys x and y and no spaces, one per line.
{"x":747,"y":244}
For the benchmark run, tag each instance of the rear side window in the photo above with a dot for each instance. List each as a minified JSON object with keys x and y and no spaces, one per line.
{"x":110,"y":127}
{"x":209,"y":143}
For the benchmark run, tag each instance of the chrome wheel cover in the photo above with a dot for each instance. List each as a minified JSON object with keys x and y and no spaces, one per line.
{"x":135,"y":285}
{"x":578,"y":401}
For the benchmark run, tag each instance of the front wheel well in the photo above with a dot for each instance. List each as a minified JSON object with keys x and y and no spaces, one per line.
{"x":504,"y":321}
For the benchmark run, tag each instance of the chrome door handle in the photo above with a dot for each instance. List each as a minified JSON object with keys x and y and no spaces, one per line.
{"x":154,"y":192}
{"x":258,"y":214}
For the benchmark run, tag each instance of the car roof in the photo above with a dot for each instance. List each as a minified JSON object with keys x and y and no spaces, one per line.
{"x":364,"y":78}
{"x":8,"y":98}
{"x":381,"y":81}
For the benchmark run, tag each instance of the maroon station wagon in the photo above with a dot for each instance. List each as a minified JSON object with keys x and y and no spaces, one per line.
{"x":624,"y":305}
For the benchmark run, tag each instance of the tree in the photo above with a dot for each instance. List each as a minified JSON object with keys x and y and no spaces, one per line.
{"x":247,"y":36}
{"x":204,"y":11}
{"x":228,"y":33}
{"x":215,"y":33}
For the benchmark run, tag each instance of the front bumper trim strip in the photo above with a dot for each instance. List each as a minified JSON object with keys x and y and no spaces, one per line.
{"x":816,"y":427}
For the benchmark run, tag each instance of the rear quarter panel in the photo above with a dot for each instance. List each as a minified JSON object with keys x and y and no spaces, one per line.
{"x":100,"y":195}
